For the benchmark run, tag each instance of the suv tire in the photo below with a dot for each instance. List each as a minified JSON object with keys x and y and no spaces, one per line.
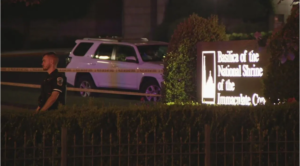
{"x":150,"y":86}
{"x":85,"y":82}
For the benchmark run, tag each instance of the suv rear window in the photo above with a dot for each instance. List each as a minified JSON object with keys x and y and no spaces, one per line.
{"x":82,"y":48}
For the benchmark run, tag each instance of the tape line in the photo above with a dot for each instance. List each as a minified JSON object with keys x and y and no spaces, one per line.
{"x":16,"y":69}
{"x":80,"y":90}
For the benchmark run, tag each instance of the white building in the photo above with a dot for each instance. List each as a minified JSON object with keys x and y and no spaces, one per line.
{"x":282,"y":11}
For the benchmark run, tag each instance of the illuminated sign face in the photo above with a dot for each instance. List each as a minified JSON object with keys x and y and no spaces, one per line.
{"x":230,"y":77}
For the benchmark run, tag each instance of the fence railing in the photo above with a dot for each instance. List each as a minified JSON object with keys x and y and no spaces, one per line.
{"x":150,"y":149}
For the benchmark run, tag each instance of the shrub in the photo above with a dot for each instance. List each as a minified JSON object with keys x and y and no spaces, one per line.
{"x":248,"y":36}
{"x":282,"y":77}
{"x":180,"y":62}
{"x":248,"y":27}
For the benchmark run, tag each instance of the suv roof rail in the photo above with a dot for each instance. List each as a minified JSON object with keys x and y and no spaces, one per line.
{"x":115,"y":39}
{"x":136,"y":38}
{"x":102,"y":39}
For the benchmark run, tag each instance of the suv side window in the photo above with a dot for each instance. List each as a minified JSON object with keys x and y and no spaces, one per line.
{"x":82,"y":48}
{"x":104,"y":51}
{"x":124,"y":51}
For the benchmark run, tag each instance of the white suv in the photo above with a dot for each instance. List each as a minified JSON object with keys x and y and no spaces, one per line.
{"x":99,"y":53}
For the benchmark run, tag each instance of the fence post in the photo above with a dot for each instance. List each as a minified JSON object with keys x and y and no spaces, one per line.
{"x":63,"y":146}
{"x":207,"y":145}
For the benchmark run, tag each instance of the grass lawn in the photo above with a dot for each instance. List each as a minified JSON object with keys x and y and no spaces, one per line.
{"x":27,"y":98}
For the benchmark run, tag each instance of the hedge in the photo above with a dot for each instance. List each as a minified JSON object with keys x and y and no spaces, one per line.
{"x":146,"y":118}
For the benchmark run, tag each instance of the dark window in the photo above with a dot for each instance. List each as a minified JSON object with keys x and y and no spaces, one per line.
{"x":123,"y":52}
{"x":82,"y":48}
{"x":104,"y":51}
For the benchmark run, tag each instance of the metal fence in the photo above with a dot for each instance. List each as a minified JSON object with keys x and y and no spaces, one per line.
{"x":151,"y":149}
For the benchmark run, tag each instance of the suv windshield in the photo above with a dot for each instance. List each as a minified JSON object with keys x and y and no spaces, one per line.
{"x":151,"y":53}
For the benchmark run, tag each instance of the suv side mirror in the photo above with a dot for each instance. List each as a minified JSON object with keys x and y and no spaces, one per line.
{"x":130,"y":59}
{"x":68,"y":60}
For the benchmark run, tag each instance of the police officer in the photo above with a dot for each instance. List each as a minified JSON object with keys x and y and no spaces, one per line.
{"x":53,"y":87}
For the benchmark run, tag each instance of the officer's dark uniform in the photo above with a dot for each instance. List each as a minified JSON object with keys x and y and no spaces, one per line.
{"x":53,"y":82}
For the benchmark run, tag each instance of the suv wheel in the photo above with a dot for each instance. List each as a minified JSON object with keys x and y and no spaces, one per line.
{"x":150,"y":87}
{"x":85,"y":82}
